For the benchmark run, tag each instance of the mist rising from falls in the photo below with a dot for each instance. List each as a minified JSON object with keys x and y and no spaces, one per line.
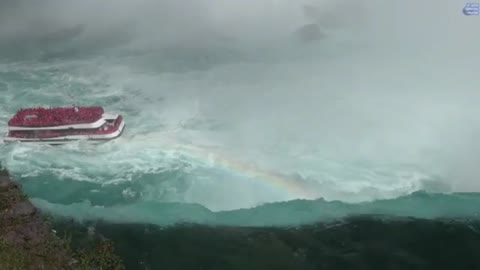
{"x":367,"y":100}
{"x":92,"y":26}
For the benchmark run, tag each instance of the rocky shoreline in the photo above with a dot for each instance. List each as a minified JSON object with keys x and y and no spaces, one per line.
{"x":28,"y":242}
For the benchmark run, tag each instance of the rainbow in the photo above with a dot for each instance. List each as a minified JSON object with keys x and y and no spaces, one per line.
{"x":294,"y":187}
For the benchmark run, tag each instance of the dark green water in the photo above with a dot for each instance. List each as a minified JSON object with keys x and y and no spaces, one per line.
{"x":237,"y":116}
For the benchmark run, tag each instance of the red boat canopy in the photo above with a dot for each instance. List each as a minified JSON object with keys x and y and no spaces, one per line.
{"x":48,"y":117}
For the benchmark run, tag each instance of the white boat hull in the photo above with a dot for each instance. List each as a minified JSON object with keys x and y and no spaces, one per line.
{"x":94,"y":138}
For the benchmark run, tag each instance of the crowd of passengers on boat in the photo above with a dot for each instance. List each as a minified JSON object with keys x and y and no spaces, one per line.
{"x":40,"y":117}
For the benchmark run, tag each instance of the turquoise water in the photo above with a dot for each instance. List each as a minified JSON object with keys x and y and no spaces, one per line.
{"x":249,"y":124}
{"x":291,"y":213}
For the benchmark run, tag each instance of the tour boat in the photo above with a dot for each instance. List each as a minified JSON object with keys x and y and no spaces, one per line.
{"x":63,"y":125}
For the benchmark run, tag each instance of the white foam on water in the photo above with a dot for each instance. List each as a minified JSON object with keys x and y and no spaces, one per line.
{"x":373,"y":110}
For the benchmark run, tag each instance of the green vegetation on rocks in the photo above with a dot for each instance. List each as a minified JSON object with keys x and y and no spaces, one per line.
{"x":27,"y":242}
